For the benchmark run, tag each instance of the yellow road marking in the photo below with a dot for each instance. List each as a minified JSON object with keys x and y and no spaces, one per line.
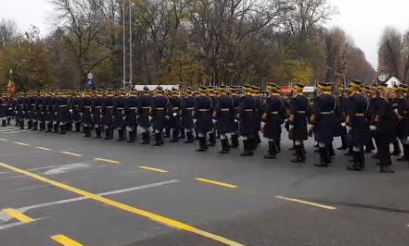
{"x":71,"y":154}
{"x":42,"y":148}
{"x":306,"y":203}
{"x":18,"y":215}
{"x":167,"y":221}
{"x":22,"y":144}
{"x":216,"y":183}
{"x":154,"y":169}
{"x":64,"y":240}
{"x":106,"y":160}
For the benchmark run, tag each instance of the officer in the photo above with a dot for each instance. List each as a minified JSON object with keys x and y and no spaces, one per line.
{"x":298,"y":124}
{"x":160,"y":104}
{"x":248,"y":119}
{"x":188,"y":105}
{"x":85,"y":112}
{"x":212,"y":133}
{"x":273,"y":114}
{"x":367,"y":92}
{"x":202,"y":114}
{"x":357,"y":125}
{"x":402,"y":102}
{"x":175,"y":103}
{"x":120,"y":117}
{"x":224,"y":113}
{"x":131,"y":109}
{"x":96,"y":113}
{"x":325,"y":121}
{"x":342,"y":98}
{"x":62,"y":104}
{"x":235,"y":124}
{"x":144,"y":108}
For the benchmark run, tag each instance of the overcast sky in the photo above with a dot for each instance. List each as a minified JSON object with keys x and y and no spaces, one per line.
{"x":363,"y":20}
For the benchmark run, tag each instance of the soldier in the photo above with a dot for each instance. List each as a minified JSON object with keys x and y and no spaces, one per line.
{"x":131,"y":109}
{"x":272,"y":116}
{"x":212,"y":132}
{"x":340,"y":114}
{"x":96,"y":113}
{"x":257,"y":93}
{"x":357,"y":125}
{"x":144,"y":108}
{"x":20,"y":110}
{"x":235,"y":124}
{"x":247,"y":116}
{"x":373,"y":109}
{"x":367,"y":92}
{"x":76,"y":117}
{"x":403,"y":120}
{"x":51,"y":112}
{"x":160,"y":104}
{"x":175,"y":103}
{"x":188,"y":105}
{"x":224,"y":113}
{"x":324,"y":120}
{"x":62,"y":104}
{"x":108,"y":114}
{"x":202,"y":114}
{"x":299,"y":107}
{"x":4,"y":108}
{"x":41,"y":108}
{"x":85,"y":106}
{"x":120,"y":116}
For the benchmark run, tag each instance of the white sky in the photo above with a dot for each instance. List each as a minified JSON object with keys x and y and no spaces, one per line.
{"x":363,"y":20}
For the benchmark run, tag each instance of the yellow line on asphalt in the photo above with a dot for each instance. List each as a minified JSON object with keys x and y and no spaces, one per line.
{"x":154,"y":169}
{"x":306,"y":203}
{"x":106,"y":160}
{"x":71,"y":154}
{"x":42,"y":148}
{"x":216,"y":183}
{"x":18,"y":215}
{"x":22,"y":144}
{"x":164,"y":220}
{"x":66,"y":241}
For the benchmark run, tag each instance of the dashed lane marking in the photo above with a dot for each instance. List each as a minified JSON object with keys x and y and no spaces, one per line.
{"x":42,"y":148}
{"x":306,"y":203}
{"x":3,"y":140}
{"x":71,"y":154}
{"x":155,"y":217}
{"x":106,"y":160}
{"x":216,"y":183}
{"x":18,"y":215}
{"x":22,"y":144}
{"x":66,"y":241}
{"x":154,"y":169}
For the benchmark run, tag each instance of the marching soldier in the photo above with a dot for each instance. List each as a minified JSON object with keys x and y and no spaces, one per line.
{"x":85,"y":112}
{"x":144,"y":108}
{"x":108,"y":114}
{"x":299,"y":107}
{"x":403,"y":120}
{"x":203,"y":115}
{"x":340,"y":114}
{"x":235,"y":123}
{"x":357,"y":125}
{"x":62,"y":104}
{"x":212,"y":132}
{"x":120,"y":117}
{"x":160,"y":104}
{"x":76,"y":117}
{"x":131,"y":109}
{"x":224,"y":113}
{"x":4,"y":108}
{"x":188,"y":105}
{"x":96,"y":113}
{"x":175,"y":103}
{"x":273,"y":115}
{"x":257,"y":93}
{"x":247,"y":116}
{"x":20,"y":110}
{"x":324,"y":120}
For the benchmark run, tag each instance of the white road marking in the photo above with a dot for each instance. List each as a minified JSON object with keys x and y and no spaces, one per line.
{"x":14,"y":131}
{"x":42,"y":148}
{"x":3,"y":140}
{"x":3,"y":227}
{"x":28,"y":188}
{"x":67,"y":168}
{"x":48,"y":204}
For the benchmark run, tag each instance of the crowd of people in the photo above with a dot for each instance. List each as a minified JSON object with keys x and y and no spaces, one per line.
{"x":364,"y":117}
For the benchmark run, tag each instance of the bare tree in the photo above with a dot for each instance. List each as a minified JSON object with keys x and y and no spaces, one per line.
{"x":8,"y":30}
{"x":390,"y":51}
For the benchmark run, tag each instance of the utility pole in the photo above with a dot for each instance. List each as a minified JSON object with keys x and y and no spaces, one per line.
{"x":124,"y":82}
{"x":123,"y":46}
{"x":130,"y":42}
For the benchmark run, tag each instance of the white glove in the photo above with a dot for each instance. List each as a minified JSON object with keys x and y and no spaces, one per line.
{"x":150,"y":118}
{"x":291,"y":127}
{"x":343,"y":124}
{"x":348,"y":128}
{"x":167,"y":117}
{"x":194,"y":121}
{"x":71,"y":111}
{"x":372,"y":127}
{"x":214,"y":121}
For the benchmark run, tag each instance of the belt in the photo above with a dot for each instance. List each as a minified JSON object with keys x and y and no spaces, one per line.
{"x":4,"y":105}
{"x":249,"y":110}
{"x":134,"y":108}
{"x":160,"y":108}
{"x":224,"y":109}
{"x":33,"y":104}
{"x":98,"y":107}
{"x":120,"y":108}
{"x":146,"y":107}
{"x":360,"y":115}
{"x":326,"y":113}
{"x":301,"y":112}
{"x":87,"y":107}
{"x":190,"y":108}
{"x":203,"y":110}
{"x":109,"y":107}
{"x":274,"y":112}
{"x":175,"y":108}
{"x":62,"y":106}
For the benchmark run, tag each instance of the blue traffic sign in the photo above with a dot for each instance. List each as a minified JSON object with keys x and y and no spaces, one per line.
{"x":90,"y":83}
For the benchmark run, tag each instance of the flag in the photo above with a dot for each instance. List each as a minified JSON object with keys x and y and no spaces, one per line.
{"x":11,"y":87}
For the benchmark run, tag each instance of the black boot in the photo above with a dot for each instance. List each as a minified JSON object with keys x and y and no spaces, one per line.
{"x":62,"y":129}
{"x":35,"y":126}
{"x":405,"y":156}
{"x":189,"y":138}
{"x":22,"y":124}
{"x":212,"y":139}
{"x":182,"y":133}
{"x":225,"y":146}
{"x":42,"y":126}
{"x":3,"y":123}
{"x":175,"y":136}
{"x":29,"y":124}
{"x":98,"y":132}
{"x":167,"y":132}
{"x":324,"y":158}
{"x":8,"y":121}
{"x":87,"y":132}
{"x":158,"y":139}
{"x":77,"y":127}
{"x":272,"y":151}
{"x":121,"y":135}
{"x":349,"y":151}
{"x":49,"y":127}
{"x":278,"y":145}
{"x":396,"y":148}
{"x":343,"y":143}
{"x":355,"y":162}
{"x":107,"y":134}
{"x":202,"y":142}
{"x":247,"y":151}
{"x":55,"y":128}
{"x":235,"y":141}
{"x":299,"y":154}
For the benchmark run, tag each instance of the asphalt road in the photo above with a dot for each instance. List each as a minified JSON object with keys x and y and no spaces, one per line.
{"x":69,"y":190}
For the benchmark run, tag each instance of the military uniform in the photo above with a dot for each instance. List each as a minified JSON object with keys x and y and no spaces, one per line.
{"x":235,"y":122}
{"x":202,"y":114}
{"x":224,"y":113}
{"x":160,"y":104}
{"x":248,"y":120}
{"x":145,"y":105}
{"x":85,"y":112}
{"x":120,"y":114}
{"x":96,"y":113}
{"x":212,"y":132}
{"x":403,"y":120}
{"x":175,"y":103}
{"x":188,"y":105}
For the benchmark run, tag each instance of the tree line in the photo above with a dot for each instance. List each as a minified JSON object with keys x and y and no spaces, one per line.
{"x":186,"y":42}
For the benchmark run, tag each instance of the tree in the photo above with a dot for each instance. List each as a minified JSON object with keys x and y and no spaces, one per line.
{"x":390,"y":52}
{"x":8,"y":31}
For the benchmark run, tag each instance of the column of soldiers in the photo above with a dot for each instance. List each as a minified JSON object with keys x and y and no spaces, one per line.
{"x":364,"y":118}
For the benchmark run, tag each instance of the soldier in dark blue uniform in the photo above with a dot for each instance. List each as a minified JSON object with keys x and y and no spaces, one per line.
{"x":160,"y":104}
{"x":257,"y":93}
{"x":403,"y":120}
{"x":298,"y":124}
{"x":203,"y":115}
{"x":4,"y":108}
{"x":340,"y":114}
{"x":62,"y":104}
{"x":20,"y":110}
{"x":188,"y":105}
{"x":76,"y":117}
{"x":235,"y":124}
{"x":247,"y":116}
{"x":42,"y":110}
{"x":145,"y":105}
{"x":131,"y":109}
{"x":273,"y":114}
{"x":396,"y":146}
{"x":224,"y":113}
{"x":373,"y":109}
{"x":357,"y":125}
{"x":325,"y":122}
{"x":212,"y":133}
{"x":119,"y":112}
{"x":96,"y":113}
{"x":175,"y":103}
{"x":367,"y":92}
{"x":85,"y":112}
{"x":108,"y":103}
